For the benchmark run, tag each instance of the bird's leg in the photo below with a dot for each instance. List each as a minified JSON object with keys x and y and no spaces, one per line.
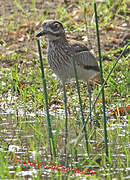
{"x":66,"y":116}
{"x":89,"y":93}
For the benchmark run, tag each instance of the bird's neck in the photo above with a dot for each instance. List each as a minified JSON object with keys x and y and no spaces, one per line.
{"x":62,"y":41}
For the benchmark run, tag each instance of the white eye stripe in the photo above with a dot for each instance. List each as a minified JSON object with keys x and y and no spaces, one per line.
{"x":51,"y":30}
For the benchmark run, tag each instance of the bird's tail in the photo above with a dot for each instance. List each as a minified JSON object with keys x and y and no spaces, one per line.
{"x":96,"y":79}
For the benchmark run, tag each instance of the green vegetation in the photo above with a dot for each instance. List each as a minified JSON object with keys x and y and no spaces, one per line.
{"x":24,"y":130}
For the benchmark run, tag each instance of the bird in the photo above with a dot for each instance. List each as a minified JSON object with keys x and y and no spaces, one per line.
{"x":61,"y":52}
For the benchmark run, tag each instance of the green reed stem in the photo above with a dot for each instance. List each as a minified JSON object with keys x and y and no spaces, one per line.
{"x":102,"y":80}
{"x":81,"y":107}
{"x":52,"y":147}
{"x":103,"y":87}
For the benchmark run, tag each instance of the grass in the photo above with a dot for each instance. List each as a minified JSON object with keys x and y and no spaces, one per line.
{"x":22,"y":108}
{"x":102,"y":81}
{"x":52,"y":147}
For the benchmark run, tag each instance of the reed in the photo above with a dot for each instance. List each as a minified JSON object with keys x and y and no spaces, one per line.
{"x":52,"y":147}
{"x":81,"y":107}
{"x":102,"y":80}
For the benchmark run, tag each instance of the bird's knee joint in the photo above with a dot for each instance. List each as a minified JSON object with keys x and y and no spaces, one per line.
{"x":65,"y":99}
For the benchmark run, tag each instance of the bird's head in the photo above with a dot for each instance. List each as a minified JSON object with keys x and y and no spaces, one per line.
{"x":52,"y":29}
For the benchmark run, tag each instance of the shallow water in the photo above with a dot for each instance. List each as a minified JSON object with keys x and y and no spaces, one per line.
{"x":16,"y":136}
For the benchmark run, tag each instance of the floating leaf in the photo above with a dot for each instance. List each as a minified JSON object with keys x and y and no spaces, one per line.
{"x":16,"y":160}
{"x":110,"y":27}
{"x":121,"y":111}
{"x":113,"y":41}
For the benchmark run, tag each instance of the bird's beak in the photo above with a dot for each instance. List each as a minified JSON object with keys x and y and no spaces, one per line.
{"x":42,"y":33}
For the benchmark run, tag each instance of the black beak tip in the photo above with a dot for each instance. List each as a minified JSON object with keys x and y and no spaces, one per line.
{"x":42,"y":33}
{"x":38,"y":35}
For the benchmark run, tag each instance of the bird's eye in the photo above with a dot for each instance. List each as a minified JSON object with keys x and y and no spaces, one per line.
{"x":56,"y":25}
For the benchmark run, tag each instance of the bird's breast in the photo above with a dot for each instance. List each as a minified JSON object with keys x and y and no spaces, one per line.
{"x":61,"y":63}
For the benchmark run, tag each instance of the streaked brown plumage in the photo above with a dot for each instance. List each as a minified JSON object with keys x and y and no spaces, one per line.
{"x":60,"y":54}
{"x":61,"y":51}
